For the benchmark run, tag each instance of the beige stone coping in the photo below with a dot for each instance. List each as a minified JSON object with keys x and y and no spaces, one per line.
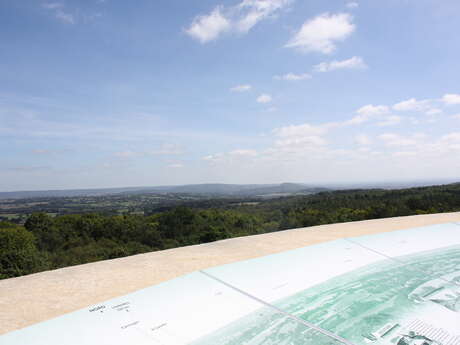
{"x":42,"y":296}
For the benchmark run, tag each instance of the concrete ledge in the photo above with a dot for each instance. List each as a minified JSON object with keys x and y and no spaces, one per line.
{"x":42,"y":296}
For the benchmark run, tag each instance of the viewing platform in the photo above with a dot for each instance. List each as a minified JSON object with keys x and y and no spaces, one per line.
{"x":38,"y":297}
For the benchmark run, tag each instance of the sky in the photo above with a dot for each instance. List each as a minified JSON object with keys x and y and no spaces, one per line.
{"x":112,"y":93}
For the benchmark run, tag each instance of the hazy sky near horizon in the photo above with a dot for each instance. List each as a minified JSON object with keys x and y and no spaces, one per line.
{"x":107,"y":93}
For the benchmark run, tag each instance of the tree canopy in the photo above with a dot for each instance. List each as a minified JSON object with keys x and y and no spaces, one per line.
{"x":50,"y":242}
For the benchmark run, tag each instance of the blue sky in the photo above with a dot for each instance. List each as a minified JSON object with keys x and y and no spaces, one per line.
{"x":114,"y":93}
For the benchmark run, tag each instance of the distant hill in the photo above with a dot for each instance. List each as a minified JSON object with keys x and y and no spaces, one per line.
{"x":239,"y":190}
{"x":67,"y":193}
{"x":208,"y":188}
{"x":216,"y":189}
{"x":221,"y":189}
{"x":284,"y":188}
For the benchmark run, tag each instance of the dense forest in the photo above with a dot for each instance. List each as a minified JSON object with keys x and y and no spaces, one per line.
{"x":47,"y":241}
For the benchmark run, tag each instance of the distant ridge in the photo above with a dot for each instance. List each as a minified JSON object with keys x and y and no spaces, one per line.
{"x":216,"y":189}
{"x":222,"y":189}
{"x":66,"y":193}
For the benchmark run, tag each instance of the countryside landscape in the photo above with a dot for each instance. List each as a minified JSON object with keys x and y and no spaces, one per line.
{"x":230,"y":172}
{"x":48,"y":230}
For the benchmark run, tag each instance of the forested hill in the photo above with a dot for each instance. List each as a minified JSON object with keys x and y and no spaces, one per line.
{"x":48,"y":242}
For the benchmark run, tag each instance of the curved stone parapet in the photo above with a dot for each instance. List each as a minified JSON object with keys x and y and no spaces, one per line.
{"x":30,"y":299}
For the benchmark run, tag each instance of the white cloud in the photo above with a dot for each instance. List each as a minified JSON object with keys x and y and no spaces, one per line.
{"x":232,"y":156}
{"x":293,"y":143}
{"x":214,"y":158}
{"x":304,"y":130}
{"x":457,"y":116}
{"x":449,"y":142}
{"x":451,"y":99}
{"x":209,"y":27}
{"x":363,"y":140}
{"x":352,"y":4}
{"x":65,"y":17}
{"x":355,"y":62}
{"x":52,"y":5}
{"x":298,"y":139}
{"x":321,"y":33}
{"x":390,"y":121}
{"x":367,"y":112}
{"x":426,"y":106}
{"x":357,"y":120}
{"x":59,"y":13}
{"x":264,"y":98}
{"x":391,"y":139}
{"x":290,"y":143}
{"x":292,"y":77}
{"x":371,"y":110}
{"x":243,"y":153}
{"x":302,"y":149}
{"x":433,"y":111}
{"x":412,"y":105}
{"x":240,"y":18}
{"x":241,"y":88}
{"x":253,"y":11}
{"x":451,"y":137}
